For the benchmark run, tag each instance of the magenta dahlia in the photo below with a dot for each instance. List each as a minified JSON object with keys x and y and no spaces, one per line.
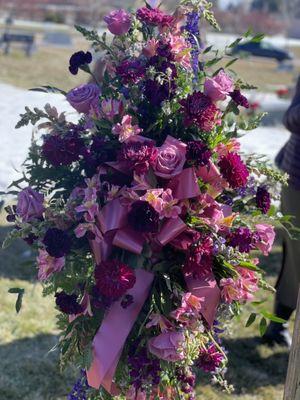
{"x":199,"y":258}
{"x":154,"y":16}
{"x":234,"y":170}
{"x":199,"y":110}
{"x":130,"y":71}
{"x":209,"y":359}
{"x":138,"y":156}
{"x":114,"y":279}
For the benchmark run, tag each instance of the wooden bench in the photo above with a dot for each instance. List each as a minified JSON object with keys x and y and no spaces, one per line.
{"x":9,"y":38}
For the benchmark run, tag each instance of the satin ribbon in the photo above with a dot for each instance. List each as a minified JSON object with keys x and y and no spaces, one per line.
{"x":113,"y":332}
{"x":206,"y":288}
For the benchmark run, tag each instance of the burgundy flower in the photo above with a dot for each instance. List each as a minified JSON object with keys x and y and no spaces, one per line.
{"x":209,"y":359}
{"x":199,"y":258}
{"x":130,"y":71}
{"x":239,"y":99}
{"x":199,"y":110}
{"x":234,"y":170}
{"x":143,"y":218}
{"x":57,"y":242}
{"x":263,"y":199}
{"x":198,"y":153}
{"x":243,"y":239}
{"x":78,"y":60}
{"x":114,"y":278}
{"x":154,"y":16}
{"x":138,"y":156}
{"x":62,"y":150}
{"x":67,"y":303}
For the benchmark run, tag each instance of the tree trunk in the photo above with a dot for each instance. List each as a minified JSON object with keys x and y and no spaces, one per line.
{"x":292,"y":385}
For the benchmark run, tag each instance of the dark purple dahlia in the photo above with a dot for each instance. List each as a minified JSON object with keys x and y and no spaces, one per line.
{"x":143,"y":217}
{"x":78,"y":60}
{"x":234,"y":170}
{"x":209,"y":359}
{"x":130,"y":71}
{"x":239,"y":99}
{"x":138,"y":156}
{"x":243,"y":239}
{"x":67,"y":303}
{"x":263,"y":199}
{"x":57,"y":242}
{"x":199,"y":110}
{"x":198,"y":153}
{"x":62,"y":150}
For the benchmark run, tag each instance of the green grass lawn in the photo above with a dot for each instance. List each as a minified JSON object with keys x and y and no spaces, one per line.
{"x":30,"y":372}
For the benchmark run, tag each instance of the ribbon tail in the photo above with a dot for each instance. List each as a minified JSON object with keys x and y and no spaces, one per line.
{"x":206,"y":288}
{"x":113,"y":332}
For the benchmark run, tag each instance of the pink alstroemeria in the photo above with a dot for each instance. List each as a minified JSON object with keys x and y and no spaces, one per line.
{"x":112,"y":108}
{"x":171,"y":209}
{"x":181,"y":50}
{"x":125,"y":129}
{"x":82,"y":229}
{"x":189,"y":309}
{"x":151,"y":47}
{"x":240,"y":288}
{"x":159,"y":320}
{"x":153,"y":197}
{"x":48,"y":265}
{"x":90,"y":209}
{"x":232,"y":146}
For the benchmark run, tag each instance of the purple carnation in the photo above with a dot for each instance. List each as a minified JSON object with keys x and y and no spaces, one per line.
{"x":138,"y":156}
{"x":67,"y":303}
{"x":130,"y":71}
{"x":78,"y":60}
{"x":209,"y":359}
{"x":263,"y":199}
{"x":62,"y":150}
{"x":198,"y":153}
{"x":239,"y":99}
{"x":199,"y":110}
{"x":57,"y":242}
{"x":243,"y":239}
{"x":143,"y":217}
{"x":234,"y":170}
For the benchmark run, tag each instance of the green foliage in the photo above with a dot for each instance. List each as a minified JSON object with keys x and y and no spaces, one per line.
{"x":20,"y":293}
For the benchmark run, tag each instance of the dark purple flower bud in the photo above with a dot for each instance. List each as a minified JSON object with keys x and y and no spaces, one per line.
{"x":127,"y":301}
{"x":239,"y":99}
{"x":143,"y":217}
{"x":67,"y":303}
{"x":57,"y":242}
{"x":78,"y":60}
{"x":263,"y":199}
{"x":198,"y":153}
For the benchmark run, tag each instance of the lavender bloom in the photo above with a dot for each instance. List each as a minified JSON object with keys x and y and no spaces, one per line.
{"x":79,"y":389}
{"x":192,"y":27}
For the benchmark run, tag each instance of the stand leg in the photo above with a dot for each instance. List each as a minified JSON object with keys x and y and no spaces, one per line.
{"x":292,"y":384}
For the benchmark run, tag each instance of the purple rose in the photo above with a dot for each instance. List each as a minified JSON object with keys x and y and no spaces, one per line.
{"x":219,"y":87}
{"x":30,"y":204}
{"x":170,"y":159}
{"x":118,"y":22}
{"x":85,"y":98}
{"x":167,"y":346}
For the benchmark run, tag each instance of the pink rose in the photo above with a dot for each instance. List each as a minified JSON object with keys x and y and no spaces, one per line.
{"x":118,"y":22}
{"x":48,"y":265}
{"x":30,"y":204}
{"x":219,"y":87}
{"x":170,"y":159}
{"x":167,"y":346}
{"x":85,"y":98}
{"x":266,"y":237}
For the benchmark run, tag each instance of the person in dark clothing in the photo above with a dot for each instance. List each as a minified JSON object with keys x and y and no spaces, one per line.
{"x":288,"y":282}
